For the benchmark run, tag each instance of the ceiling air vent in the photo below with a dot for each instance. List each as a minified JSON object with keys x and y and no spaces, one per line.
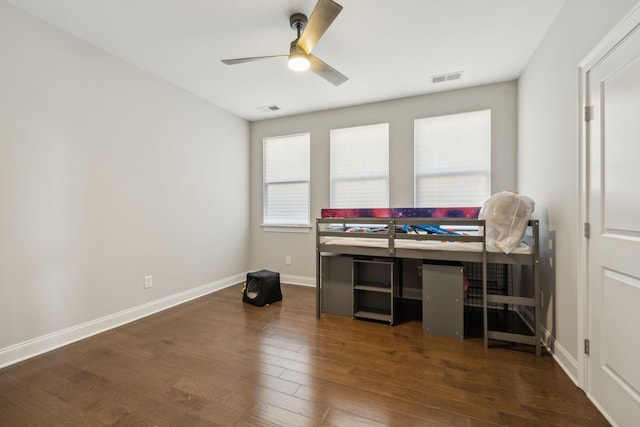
{"x":269,"y":108}
{"x":446,"y":77}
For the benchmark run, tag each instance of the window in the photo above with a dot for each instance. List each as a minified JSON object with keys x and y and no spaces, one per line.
{"x":359,"y":171}
{"x":286,"y":180}
{"x":452,"y":160}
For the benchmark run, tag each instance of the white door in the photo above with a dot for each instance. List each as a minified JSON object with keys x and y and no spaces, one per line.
{"x":613,"y":249}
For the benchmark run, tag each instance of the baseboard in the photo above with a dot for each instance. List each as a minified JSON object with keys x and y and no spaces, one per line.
{"x":298,"y":280}
{"x":25,"y":350}
{"x":563,"y":358}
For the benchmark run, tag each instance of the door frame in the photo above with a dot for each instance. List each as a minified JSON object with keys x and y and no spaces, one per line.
{"x":618,"y":34}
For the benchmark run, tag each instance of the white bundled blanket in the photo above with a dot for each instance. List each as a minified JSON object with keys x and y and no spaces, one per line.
{"x":507,"y":215}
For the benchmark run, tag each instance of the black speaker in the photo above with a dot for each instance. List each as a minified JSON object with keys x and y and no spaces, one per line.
{"x":262,"y":288}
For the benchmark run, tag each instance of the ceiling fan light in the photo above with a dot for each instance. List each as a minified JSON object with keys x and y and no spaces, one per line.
{"x":298,"y":62}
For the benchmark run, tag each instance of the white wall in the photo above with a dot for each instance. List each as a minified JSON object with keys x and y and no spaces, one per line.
{"x":107,"y":174}
{"x":268,"y":249}
{"x":548,"y":148}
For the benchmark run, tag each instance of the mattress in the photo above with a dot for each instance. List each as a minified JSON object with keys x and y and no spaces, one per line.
{"x":435,"y":245}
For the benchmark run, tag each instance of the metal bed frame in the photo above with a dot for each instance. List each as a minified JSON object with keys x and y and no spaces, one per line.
{"x":390,"y":250}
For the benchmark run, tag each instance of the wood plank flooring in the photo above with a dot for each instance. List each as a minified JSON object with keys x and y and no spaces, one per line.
{"x":217,"y":361}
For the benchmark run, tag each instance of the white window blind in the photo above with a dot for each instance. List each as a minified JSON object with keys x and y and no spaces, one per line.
{"x":359,"y":167}
{"x":452,"y":160}
{"x":286,"y":165}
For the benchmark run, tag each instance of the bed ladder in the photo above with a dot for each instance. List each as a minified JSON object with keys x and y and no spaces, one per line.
{"x":532,"y":302}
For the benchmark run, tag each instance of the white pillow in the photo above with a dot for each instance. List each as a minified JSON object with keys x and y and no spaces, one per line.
{"x":507,"y":215}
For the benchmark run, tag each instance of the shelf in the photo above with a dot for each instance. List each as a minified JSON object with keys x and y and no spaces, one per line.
{"x":373,"y":287}
{"x":372,"y":314}
{"x":375,"y":260}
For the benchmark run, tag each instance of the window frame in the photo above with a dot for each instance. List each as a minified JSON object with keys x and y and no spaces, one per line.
{"x":268,"y":223}
{"x":367,"y":175}
{"x":486,"y":171}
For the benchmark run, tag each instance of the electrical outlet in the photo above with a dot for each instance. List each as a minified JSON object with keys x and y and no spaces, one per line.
{"x":148,"y":282}
{"x":287,"y":260}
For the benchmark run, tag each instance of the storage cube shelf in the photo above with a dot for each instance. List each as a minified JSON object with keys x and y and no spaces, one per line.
{"x":375,"y":289}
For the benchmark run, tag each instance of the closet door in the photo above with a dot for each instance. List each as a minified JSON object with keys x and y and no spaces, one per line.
{"x":613,"y":147}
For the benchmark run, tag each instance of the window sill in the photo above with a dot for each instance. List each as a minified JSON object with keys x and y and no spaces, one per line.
{"x":286,"y":228}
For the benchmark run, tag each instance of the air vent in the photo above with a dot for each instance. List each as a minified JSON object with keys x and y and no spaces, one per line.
{"x":446,"y":77}
{"x":269,"y":108}
{"x":454,"y":76}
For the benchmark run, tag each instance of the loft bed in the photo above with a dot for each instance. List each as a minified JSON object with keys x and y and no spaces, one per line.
{"x":400,"y":235}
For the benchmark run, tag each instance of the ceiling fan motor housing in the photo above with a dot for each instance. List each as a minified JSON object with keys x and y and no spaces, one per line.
{"x":298,"y":21}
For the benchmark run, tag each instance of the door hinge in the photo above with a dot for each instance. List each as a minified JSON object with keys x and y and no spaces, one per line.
{"x":587,"y":113}
{"x":587,"y":230}
{"x":586,"y":347}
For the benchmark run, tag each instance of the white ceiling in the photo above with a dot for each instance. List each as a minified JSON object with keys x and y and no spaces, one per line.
{"x":388,"y":49}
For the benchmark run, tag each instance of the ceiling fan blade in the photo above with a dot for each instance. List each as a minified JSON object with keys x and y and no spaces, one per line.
{"x":325,"y":71}
{"x":321,"y":18}
{"x":251,"y":59}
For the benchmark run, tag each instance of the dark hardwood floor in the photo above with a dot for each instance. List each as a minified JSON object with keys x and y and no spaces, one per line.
{"x":217,"y":361}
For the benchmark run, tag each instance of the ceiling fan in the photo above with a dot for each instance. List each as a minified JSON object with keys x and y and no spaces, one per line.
{"x":309,"y":32}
